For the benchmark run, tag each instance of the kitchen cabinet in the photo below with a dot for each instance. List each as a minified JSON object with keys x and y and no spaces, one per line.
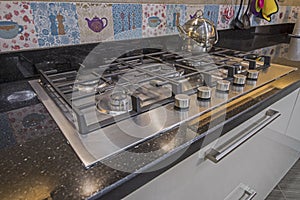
{"x":286,"y":107}
{"x":254,"y":168}
{"x":293,"y":129}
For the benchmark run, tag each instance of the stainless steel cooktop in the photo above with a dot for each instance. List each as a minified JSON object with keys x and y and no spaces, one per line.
{"x":125,"y":100}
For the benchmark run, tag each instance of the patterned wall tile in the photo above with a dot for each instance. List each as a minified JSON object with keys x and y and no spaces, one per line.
{"x":56,"y":23}
{"x":16,"y":26}
{"x":257,"y":21}
{"x":95,"y":22}
{"x":154,"y":20}
{"x":287,"y":14}
{"x":175,"y":14}
{"x":226,"y":15}
{"x":277,"y":50}
{"x":295,"y":12}
{"x":127,"y":21}
{"x":236,"y":10}
{"x":192,"y":9}
{"x":211,"y":12}
{"x":280,"y":15}
{"x":269,"y":51}
{"x":284,"y":50}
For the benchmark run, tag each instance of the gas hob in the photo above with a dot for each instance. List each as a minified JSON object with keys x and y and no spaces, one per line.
{"x":126,"y":100}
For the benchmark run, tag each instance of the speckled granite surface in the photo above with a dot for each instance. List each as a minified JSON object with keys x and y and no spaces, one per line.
{"x":38,"y":163}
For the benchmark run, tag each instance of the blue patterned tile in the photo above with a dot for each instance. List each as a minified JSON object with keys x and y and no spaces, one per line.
{"x":175,"y":14}
{"x":127,"y":21}
{"x":56,"y":23}
{"x":211,"y":12}
{"x":6,"y":134}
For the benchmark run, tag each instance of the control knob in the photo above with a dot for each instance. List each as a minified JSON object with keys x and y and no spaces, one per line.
{"x":182,"y":101}
{"x":239,"y":79}
{"x":204,"y":93}
{"x":252,"y":64}
{"x":267,"y":61}
{"x":223,"y":85}
{"x":252,"y":74}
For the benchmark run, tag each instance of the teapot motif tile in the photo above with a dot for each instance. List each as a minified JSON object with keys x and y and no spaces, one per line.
{"x":95,"y":22}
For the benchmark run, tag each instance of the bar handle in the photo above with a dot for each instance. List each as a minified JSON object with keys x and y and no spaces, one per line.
{"x":242,"y":191}
{"x":270,"y":115}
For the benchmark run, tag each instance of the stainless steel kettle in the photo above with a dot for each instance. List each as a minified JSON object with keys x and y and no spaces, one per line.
{"x":199,"y":30}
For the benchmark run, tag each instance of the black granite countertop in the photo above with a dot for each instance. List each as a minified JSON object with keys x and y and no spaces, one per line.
{"x":38,"y":163}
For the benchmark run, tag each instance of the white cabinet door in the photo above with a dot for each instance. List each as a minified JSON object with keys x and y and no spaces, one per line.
{"x":258,"y":163}
{"x":285,"y":106}
{"x":293,"y":129}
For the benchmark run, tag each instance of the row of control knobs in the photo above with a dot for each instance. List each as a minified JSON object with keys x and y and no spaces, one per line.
{"x":182,"y":101}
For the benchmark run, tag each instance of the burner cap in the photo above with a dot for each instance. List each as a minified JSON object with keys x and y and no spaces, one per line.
{"x":114,"y":103}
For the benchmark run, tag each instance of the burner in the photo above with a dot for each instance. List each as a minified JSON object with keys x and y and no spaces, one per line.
{"x":119,"y":99}
{"x":86,"y":83}
{"x":161,"y":69}
{"x":195,"y":63}
{"x":114,"y":103}
{"x":86,"y":86}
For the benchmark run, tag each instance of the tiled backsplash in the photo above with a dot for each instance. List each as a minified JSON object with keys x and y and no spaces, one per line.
{"x":30,"y":25}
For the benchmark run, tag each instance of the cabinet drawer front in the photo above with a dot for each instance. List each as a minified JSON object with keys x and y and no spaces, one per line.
{"x":285,"y":106}
{"x":293,"y":129}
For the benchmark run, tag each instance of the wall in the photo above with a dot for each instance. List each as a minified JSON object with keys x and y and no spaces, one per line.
{"x":30,"y":25}
{"x":280,"y":2}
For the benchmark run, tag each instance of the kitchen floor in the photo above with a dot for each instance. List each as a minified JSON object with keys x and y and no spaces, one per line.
{"x":289,"y":187}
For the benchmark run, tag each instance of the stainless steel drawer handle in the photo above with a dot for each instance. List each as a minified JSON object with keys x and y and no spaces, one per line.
{"x":251,"y":130}
{"x":241,"y":192}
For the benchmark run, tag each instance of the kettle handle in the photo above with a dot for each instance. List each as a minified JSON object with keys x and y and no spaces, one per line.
{"x":198,"y":15}
{"x":216,"y":36}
